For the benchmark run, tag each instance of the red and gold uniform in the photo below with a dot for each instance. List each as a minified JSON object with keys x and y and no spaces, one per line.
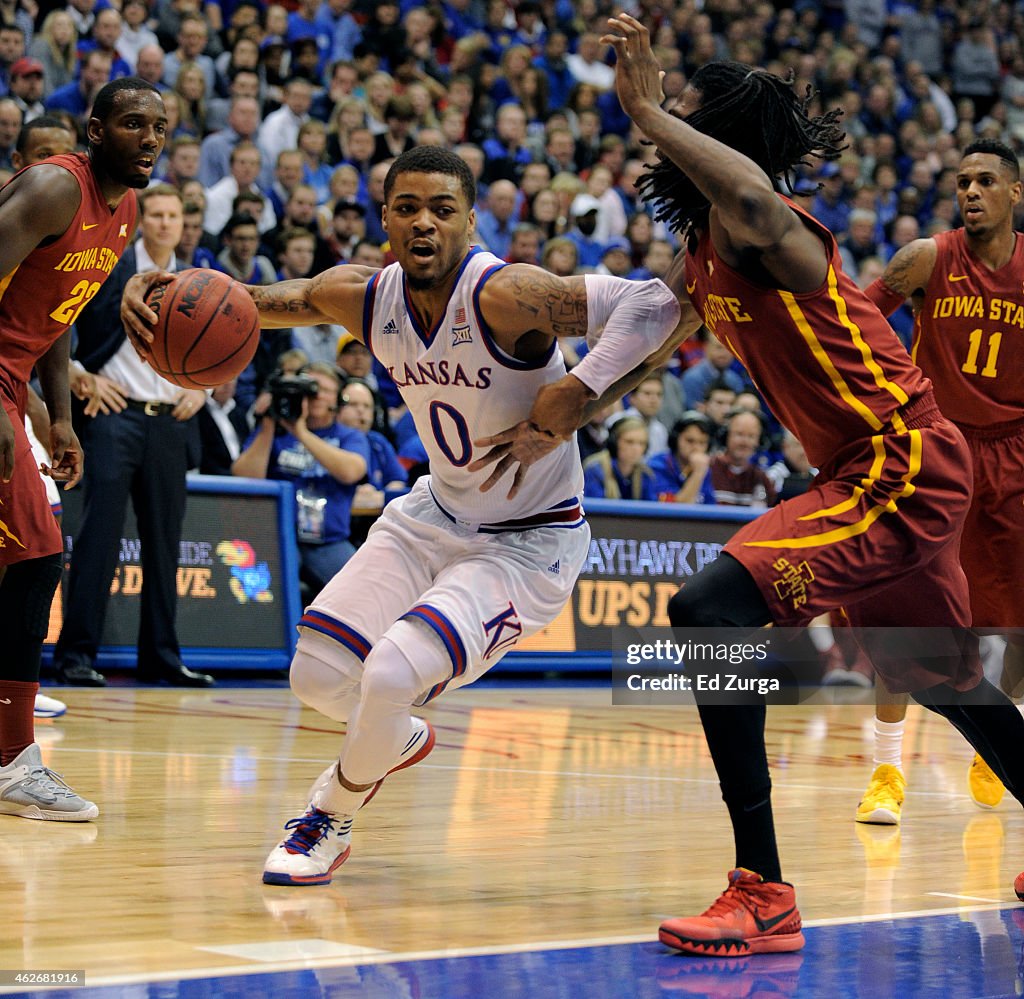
{"x":969,"y":337}
{"x":877,"y":532}
{"x":39,"y":300}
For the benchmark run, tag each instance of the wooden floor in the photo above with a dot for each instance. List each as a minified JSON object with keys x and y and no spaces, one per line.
{"x":543,"y":815}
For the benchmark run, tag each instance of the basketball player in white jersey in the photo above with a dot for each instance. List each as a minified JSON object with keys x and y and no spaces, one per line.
{"x":450,"y":578}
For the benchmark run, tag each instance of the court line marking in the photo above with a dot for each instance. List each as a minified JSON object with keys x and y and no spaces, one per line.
{"x":589,"y":775}
{"x":969,"y":898}
{"x":487,"y":951}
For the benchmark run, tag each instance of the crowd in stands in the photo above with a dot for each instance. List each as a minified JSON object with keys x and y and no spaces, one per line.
{"x":284,"y":118}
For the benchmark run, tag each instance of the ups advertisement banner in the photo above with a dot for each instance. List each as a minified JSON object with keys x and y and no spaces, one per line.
{"x":634,"y":567}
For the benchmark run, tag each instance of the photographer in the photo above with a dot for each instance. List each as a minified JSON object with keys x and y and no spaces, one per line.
{"x":299,"y":440}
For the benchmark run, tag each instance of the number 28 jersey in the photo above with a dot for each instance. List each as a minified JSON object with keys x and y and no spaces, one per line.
{"x":43,"y":296}
{"x":460,"y":386}
{"x":969,"y":334}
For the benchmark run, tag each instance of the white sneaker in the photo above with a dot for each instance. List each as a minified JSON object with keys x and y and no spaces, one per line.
{"x":318,"y":845}
{"x":49,"y":707}
{"x":320,"y":841}
{"x":33,"y":791}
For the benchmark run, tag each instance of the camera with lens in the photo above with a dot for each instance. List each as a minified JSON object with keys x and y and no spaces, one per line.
{"x":287,"y":393}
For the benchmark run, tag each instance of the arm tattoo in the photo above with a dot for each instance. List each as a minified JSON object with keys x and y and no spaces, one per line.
{"x":899,"y":275}
{"x":546,"y":297}
{"x":281,"y":298}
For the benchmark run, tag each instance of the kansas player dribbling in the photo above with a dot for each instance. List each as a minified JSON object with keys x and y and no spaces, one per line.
{"x":452,"y":576}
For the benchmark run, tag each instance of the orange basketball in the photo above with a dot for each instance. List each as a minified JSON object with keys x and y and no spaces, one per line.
{"x":207,"y":329}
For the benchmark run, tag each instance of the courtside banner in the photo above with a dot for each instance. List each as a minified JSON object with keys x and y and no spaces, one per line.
{"x":640,"y":554}
{"x":237,"y":576}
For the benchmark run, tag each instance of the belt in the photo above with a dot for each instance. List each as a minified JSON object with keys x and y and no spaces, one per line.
{"x":151,"y":408}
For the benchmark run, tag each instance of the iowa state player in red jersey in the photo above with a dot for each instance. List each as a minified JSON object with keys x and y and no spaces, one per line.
{"x":967,"y":290}
{"x":65,"y":223}
{"x":878,"y":530}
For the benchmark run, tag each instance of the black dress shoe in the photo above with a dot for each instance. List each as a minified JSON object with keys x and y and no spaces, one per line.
{"x":176,"y":674}
{"x":79,"y":674}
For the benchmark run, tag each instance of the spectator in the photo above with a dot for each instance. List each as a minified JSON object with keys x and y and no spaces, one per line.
{"x":584,"y":214}
{"x":198,"y":248}
{"x":829,"y":206}
{"x":715,"y":367}
{"x":494,"y":225}
{"x":193,"y":36}
{"x":718,"y":401}
{"x":681,"y":471}
{"x":56,"y":47}
{"x":399,"y":117}
{"x":239,"y":258}
{"x":348,"y":230}
{"x":384,"y":471}
{"x":560,"y":256}
{"x":976,"y":69}
{"x":280,"y":128}
{"x":10,"y":126}
{"x":106,"y":31}
{"x":793,"y":474}
{"x":506,"y":153}
{"x":323,"y":460}
{"x":77,"y":97}
{"x":620,"y":472}
{"x":587,"y":66}
{"x":244,"y":169}
{"x":355,"y":360}
{"x":860,"y":241}
{"x":223,"y":428}
{"x":135,"y":35}
{"x":215,"y":152}
{"x":736,"y":479}
{"x":12,"y":48}
{"x":645,"y":403}
{"x":525,"y":245}
{"x":615,"y":258}
{"x":27,"y":88}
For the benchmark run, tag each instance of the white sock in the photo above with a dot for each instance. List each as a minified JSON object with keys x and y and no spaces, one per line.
{"x":889,"y":743}
{"x":821,"y":637}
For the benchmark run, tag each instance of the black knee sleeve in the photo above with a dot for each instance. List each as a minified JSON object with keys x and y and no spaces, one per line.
{"x":26,"y":595}
{"x":722,"y":595}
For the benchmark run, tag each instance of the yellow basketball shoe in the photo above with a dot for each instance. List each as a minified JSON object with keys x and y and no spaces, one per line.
{"x":986,"y":788}
{"x":883,"y":799}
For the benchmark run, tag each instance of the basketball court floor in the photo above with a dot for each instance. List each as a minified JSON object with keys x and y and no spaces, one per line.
{"x":533,"y":854}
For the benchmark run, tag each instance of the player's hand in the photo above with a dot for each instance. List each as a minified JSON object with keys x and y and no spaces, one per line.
{"x":66,"y":462}
{"x":103,"y":394}
{"x":517,"y":448}
{"x":558,"y":408}
{"x":6,"y":446}
{"x":189,"y":403}
{"x":136,"y":316}
{"x":637,"y":71}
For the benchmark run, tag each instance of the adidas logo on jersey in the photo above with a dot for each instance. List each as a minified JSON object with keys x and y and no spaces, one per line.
{"x":555,"y":567}
{"x":390,"y":327}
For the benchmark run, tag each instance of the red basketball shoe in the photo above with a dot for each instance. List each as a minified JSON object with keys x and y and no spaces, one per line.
{"x":752,"y":916}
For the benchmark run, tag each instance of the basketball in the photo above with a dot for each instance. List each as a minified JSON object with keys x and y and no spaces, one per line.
{"x":207,"y":329}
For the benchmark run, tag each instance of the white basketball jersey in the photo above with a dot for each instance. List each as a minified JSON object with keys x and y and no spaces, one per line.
{"x":460,"y":386}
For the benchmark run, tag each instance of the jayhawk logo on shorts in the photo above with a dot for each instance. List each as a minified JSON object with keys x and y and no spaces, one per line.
{"x":250,"y":580}
{"x":504,"y":629}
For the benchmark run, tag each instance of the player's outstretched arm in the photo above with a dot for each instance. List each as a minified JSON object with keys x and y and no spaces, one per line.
{"x":336,"y":295}
{"x":628,"y":323}
{"x":906,"y":276}
{"x":746,"y":213}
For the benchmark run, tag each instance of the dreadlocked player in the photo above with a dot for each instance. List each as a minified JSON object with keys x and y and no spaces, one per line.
{"x":878,"y":531}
